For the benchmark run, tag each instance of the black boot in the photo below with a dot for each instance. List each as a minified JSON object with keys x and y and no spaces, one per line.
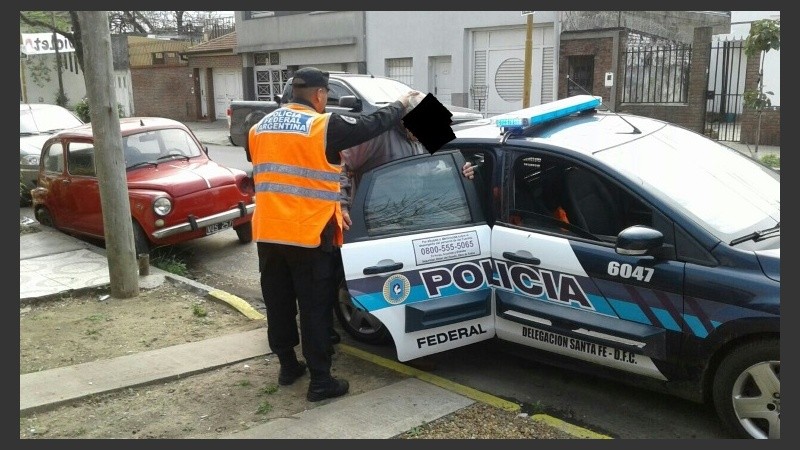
{"x":329,"y":388}
{"x":290,"y":373}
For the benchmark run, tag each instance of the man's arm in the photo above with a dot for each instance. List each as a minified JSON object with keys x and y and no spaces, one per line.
{"x":345,"y":132}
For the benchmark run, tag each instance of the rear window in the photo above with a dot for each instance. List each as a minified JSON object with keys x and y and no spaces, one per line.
{"x":411,"y":197}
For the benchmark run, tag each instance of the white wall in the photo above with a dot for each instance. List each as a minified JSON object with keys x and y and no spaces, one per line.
{"x":422,"y":34}
{"x":772,"y":59}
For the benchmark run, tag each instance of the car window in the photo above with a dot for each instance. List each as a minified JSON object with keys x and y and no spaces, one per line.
{"x":561,"y":196}
{"x":336,"y":92}
{"x":151,"y":145}
{"x":80,"y":159}
{"x":54,"y":158}
{"x":415,"y":196}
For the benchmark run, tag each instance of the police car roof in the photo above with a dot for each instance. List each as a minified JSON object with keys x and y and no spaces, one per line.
{"x":584,"y":133}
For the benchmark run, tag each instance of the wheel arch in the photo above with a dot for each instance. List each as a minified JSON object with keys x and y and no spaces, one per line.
{"x":731,"y":336}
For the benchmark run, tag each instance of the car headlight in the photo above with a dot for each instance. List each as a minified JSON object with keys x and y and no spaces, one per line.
{"x":162,"y":206}
{"x":29,"y":160}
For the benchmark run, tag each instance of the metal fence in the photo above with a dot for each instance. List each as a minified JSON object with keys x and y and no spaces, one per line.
{"x":725,"y":94}
{"x":657,"y":73}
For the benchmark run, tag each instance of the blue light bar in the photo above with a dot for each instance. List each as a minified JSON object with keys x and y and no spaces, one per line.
{"x":545,"y":112}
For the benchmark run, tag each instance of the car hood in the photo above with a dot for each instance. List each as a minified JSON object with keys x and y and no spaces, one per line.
{"x":180,"y":178}
{"x":32,"y":145}
{"x":460,"y":112}
{"x":770,"y":261}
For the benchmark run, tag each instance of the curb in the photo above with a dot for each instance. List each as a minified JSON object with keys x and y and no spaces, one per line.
{"x":474,"y":394}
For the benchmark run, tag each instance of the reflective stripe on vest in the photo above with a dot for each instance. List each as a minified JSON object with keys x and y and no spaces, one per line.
{"x":297,"y":189}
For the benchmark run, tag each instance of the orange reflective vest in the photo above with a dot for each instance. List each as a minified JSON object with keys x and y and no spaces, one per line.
{"x":297,"y":189}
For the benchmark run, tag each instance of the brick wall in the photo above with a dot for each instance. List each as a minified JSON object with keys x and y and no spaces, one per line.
{"x":601,"y":48}
{"x":164,"y":92}
{"x":222,"y":62}
{"x":770,"y":119}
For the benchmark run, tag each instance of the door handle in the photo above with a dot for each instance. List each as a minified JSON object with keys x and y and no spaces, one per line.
{"x":522,"y":259}
{"x":372,"y":270}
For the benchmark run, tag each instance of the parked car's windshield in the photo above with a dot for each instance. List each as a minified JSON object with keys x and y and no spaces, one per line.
{"x":46,"y":120}
{"x":378,"y":90}
{"x":728,"y":193}
{"x":159,"y":145}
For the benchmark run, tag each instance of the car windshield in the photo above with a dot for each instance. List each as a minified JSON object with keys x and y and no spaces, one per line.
{"x":378,"y":90}
{"x":46,"y":120}
{"x":158,"y":146}
{"x":728,"y":193}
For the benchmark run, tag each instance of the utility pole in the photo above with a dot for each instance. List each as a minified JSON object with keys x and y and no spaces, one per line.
{"x":526,"y":83}
{"x":123,"y":268}
{"x":23,"y":85}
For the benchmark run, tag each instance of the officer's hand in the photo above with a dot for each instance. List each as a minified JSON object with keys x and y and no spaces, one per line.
{"x":468,"y":170}
{"x":411,"y":98}
{"x":346,"y":222}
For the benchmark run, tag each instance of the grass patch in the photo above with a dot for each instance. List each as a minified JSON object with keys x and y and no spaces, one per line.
{"x":243,"y":383}
{"x":96,"y":318}
{"x":771,"y":160}
{"x":169,"y":261}
{"x":264,"y":408}
{"x":270,"y":389}
{"x":199,"y":311}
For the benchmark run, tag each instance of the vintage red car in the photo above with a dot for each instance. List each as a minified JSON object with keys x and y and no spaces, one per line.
{"x":177,"y":193}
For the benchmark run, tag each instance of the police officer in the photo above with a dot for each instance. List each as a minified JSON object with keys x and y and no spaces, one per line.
{"x":297,"y":222}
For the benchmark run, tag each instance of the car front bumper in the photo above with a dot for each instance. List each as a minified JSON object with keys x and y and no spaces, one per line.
{"x":193,"y":224}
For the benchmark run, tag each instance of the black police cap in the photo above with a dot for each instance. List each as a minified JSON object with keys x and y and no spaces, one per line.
{"x":310,"y":77}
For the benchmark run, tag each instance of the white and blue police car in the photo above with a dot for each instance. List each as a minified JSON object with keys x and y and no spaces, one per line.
{"x":633,"y":246}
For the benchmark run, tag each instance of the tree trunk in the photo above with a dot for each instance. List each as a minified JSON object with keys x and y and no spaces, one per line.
{"x":123,"y":269}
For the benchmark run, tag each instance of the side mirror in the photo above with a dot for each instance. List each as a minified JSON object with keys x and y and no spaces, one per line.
{"x":639,"y":240}
{"x":350,"y":101}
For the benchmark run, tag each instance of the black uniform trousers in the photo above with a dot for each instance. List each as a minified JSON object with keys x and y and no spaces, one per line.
{"x":293,"y":277}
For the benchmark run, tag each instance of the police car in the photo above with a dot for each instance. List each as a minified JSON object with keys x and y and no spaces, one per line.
{"x":626,"y":244}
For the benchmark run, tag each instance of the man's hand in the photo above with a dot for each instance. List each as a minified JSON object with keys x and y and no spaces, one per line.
{"x":411,"y":98}
{"x":346,"y":222}
{"x":468,"y":170}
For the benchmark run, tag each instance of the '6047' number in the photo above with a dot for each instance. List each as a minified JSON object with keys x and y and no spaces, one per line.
{"x":623,"y":270}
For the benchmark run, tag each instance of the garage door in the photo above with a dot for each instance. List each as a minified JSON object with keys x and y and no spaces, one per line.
{"x":227,"y":87}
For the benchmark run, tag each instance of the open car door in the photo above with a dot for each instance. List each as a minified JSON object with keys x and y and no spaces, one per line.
{"x":417,"y":254}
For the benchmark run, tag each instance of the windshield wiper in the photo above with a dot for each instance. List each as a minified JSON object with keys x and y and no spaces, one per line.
{"x":141,"y":163}
{"x":758,"y":235}
{"x":173,"y":155}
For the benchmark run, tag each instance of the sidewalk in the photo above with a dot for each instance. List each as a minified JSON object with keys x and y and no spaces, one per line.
{"x":52,"y":262}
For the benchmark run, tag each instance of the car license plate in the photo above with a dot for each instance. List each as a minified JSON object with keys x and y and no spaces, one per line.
{"x":217,"y":227}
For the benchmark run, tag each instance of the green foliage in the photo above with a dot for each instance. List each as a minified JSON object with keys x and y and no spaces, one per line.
{"x":199,"y":311}
{"x":771,"y":160}
{"x":82,"y":110}
{"x":169,"y":262}
{"x":270,"y":389}
{"x":757,"y":100}
{"x":264,"y":408}
{"x":765,"y":35}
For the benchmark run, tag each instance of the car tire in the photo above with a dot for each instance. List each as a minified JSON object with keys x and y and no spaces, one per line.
{"x":361,"y":325}
{"x":245,"y":232}
{"x":140,"y":242}
{"x":747,"y":390}
{"x":44,"y":217}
